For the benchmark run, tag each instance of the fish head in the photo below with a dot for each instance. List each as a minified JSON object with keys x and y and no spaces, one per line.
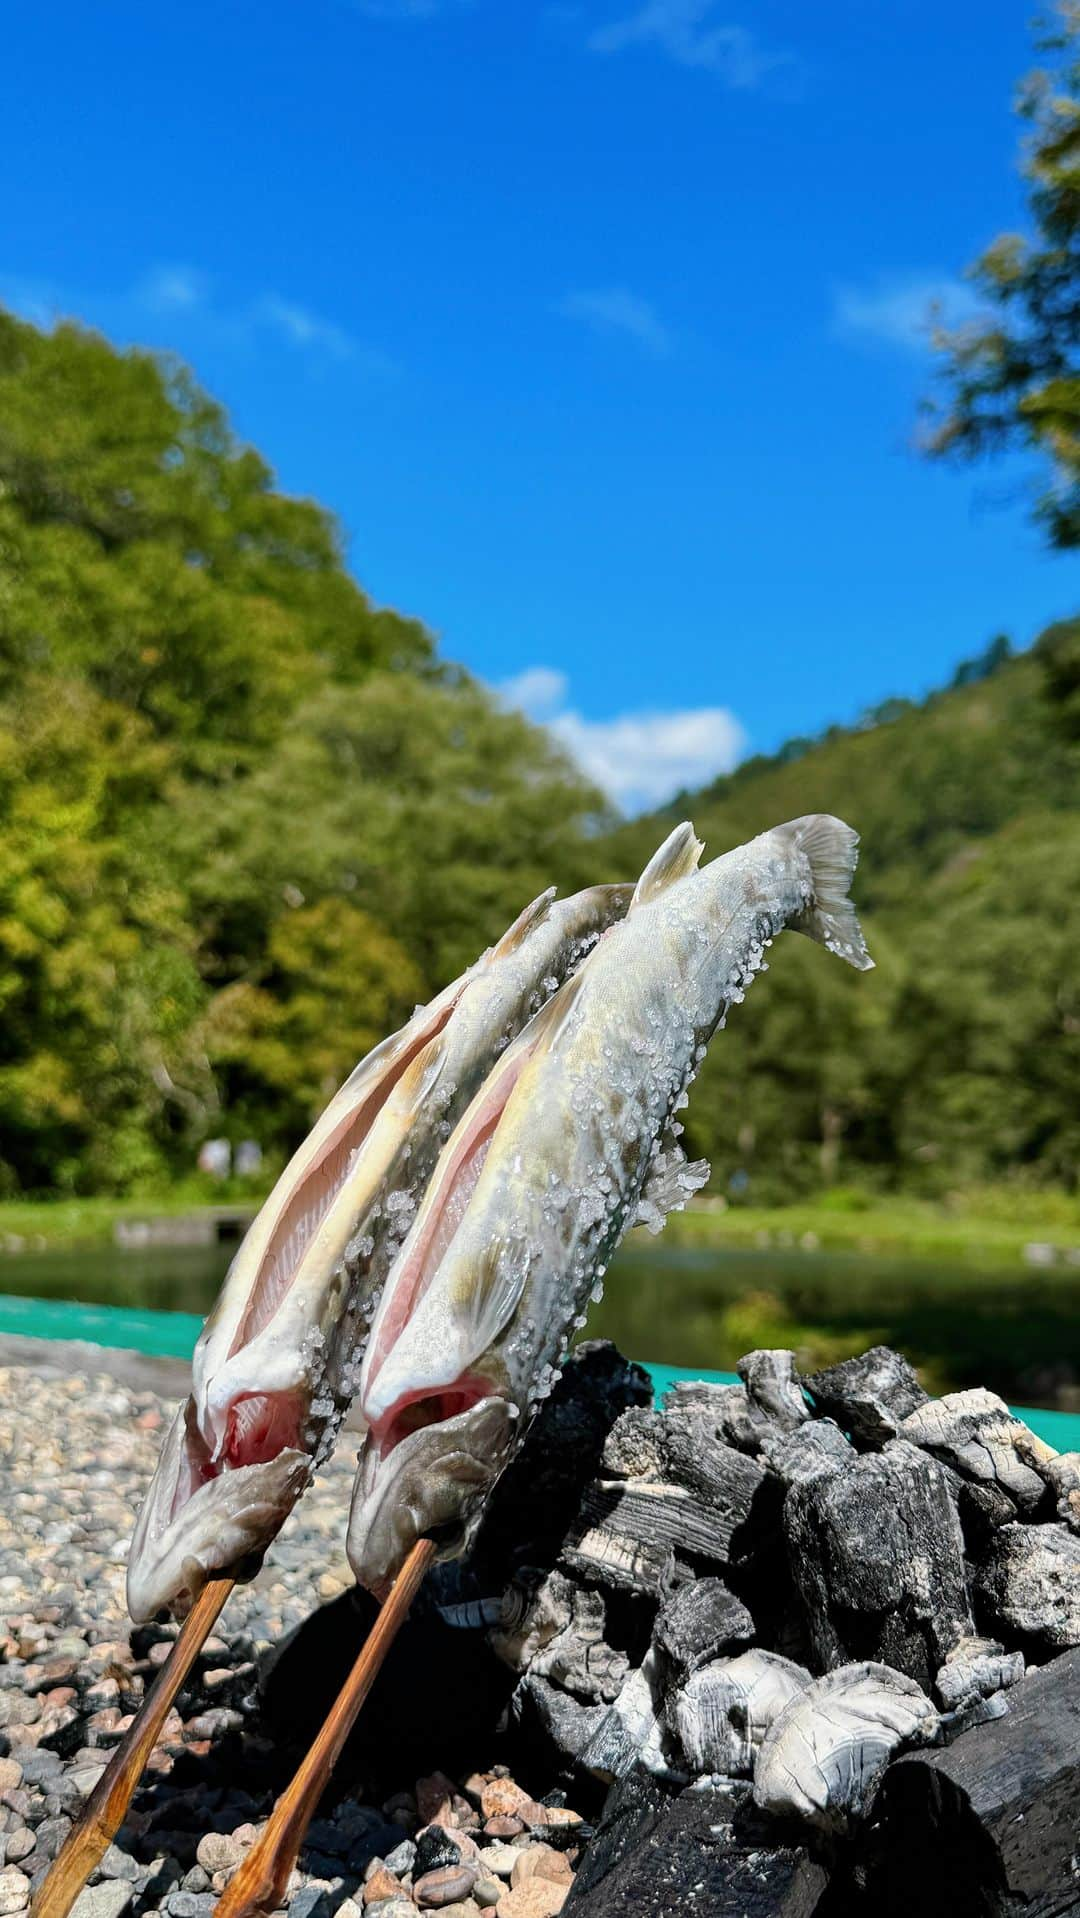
{"x":196,"y":1522}
{"x":426,"y":1474}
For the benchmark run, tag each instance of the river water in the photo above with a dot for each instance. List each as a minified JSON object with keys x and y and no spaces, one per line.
{"x":1015,"y":1330}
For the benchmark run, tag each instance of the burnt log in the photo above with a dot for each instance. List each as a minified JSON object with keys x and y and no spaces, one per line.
{"x":825,"y":1753}
{"x":1029,"y":1584}
{"x":869,"y":1396}
{"x":876,"y":1554}
{"x":661,"y":1857}
{"x":724,"y":1412}
{"x":997,"y":1813}
{"x":976,"y":1434}
{"x":634,"y":1447}
{"x":631,"y":1532}
{"x":559,"y":1634}
{"x":977,"y":1668}
{"x":722,"y":1714}
{"x":808,"y":1452}
{"x":773,"y":1385}
{"x":696,"y":1624}
{"x":1062,"y":1475}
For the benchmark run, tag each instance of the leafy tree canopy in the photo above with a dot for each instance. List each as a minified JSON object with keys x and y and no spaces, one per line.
{"x":1012,"y":378}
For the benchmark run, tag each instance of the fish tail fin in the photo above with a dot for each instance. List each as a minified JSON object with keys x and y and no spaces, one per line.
{"x":831,"y":848}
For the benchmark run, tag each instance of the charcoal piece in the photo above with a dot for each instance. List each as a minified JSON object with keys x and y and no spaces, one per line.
{"x":633,"y":1808}
{"x":981,"y":1509}
{"x":868,"y":1396}
{"x":723,"y":1412}
{"x":824,"y":1756}
{"x":1029,"y":1584}
{"x":808,"y":1452}
{"x":876,"y":1554}
{"x":552,"y":1728}
{"x":634,"y":1447}
{"x":627,"y":1531}
{"x":560,"y":1635}
{"x":634,"y":1731}
{"x":997,"y":1813}
{"x":773,"y":1384}
{"x":978,"y":1436}
{"x":723,"y":1712}
{"x":976,"y":1668}
{"x":696,"y":1624}
{"x":689,"y":1855}
{"x":1062,"y":1475}
{"x":730,"y":1483}
{"x":535,"y":1500}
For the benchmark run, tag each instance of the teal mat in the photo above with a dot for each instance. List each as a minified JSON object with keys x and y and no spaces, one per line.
{"x":1059,"y":1429}
{"x":173,"y":1335}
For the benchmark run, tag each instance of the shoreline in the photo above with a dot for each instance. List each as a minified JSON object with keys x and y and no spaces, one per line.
{"x":986,"y":1227}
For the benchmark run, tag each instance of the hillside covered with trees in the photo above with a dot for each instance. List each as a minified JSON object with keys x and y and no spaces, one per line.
{"x":247,"y":819}
{"x":958,"y":1059}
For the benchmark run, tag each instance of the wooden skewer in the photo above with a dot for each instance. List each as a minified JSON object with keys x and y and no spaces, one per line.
{"x":104,"y":1811}
{"x":258,"y":1887}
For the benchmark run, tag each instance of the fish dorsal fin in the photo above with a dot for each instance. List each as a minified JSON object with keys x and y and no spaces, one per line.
{"x":525,"y":923}
{"x":675,"y":859}
{"x":420,"y":1075}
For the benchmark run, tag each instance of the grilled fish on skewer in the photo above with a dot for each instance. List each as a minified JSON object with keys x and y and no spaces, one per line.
{"x":278,"y":1359}
{"x":570,"y":1139}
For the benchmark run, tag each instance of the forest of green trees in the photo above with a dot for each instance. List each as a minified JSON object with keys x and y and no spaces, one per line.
{"x":247,"y":819}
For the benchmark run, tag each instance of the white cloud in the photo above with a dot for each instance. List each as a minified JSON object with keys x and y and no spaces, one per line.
{"x":685,"y":31}
{"x":902,"y":310}
{"x":168,"y":287}
{"x":616,"y":310}
{"x":638,"y":759}
{"x":539,"y":691}
{"x":301,"y":327}
{"x":169,"y":293}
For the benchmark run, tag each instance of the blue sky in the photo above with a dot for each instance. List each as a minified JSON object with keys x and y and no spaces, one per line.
{"x":597,"y":325}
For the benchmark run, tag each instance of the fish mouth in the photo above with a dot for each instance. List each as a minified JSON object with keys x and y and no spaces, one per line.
{"x":193,"y":1525}
{"x":424,"y":1472}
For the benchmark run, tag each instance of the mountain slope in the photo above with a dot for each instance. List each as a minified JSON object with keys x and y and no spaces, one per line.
{"x":957,"y":1060}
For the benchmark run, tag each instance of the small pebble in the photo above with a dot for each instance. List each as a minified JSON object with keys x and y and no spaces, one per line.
{"x":402,"y":1858}
{"x":220,"y":1850}
{"x":106,"y":1900}
{"x":539,"y":1861}
{"x":444,"y":1887}
{"x":499,"y":1859}
{"x":381,"y":1885}
{"x":537,"y":1898}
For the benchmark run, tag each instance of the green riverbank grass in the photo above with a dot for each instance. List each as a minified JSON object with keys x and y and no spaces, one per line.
{"x":984,"y":1226}
{"x":981,"y":1227}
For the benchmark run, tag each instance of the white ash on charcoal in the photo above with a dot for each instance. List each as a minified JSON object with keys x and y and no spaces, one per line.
{"x":761,"y":1637}
{"x":807,"y":1579}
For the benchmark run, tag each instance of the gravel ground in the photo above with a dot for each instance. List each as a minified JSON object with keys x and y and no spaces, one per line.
{"x":76,"y":1453}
